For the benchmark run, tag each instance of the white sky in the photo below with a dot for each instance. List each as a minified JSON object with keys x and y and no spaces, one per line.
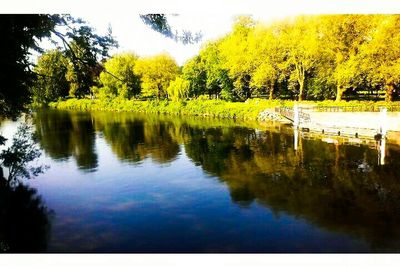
{"x":133,"y":35}
{"x":213,"y":18}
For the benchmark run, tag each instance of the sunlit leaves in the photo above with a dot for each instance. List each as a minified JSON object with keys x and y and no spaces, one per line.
{"x":51,"y":82}
{"x":195,"y":73}
{"x":156,"y":73}
{"x":178,"y":89}
{"x":118,"y":77}
{"x":311,"y":56}
{"x":381,"y":55}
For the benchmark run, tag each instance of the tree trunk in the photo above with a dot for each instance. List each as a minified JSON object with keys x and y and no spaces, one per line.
{"x":389,"y":92}
{"x":301,"y":83}
{"x":339,"y":93}
{"x":271,"y":92}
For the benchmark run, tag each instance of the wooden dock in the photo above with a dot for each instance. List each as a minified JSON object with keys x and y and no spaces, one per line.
{"x":311,"y":121}
{"x":339,"y":131}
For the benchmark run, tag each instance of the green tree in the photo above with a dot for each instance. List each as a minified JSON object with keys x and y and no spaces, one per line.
{"x":85,"y":51}
{"x":51,"y":82}
{"x":118,"y":77}
{"x":380,"y":56}
{"x":156,"y":73}
{"x":19,"y":35}
{"x":234,"y":55}
{"x":268,"y":56}
{"x":301,"y":40}
{"x":195,"y":73}
{"x":343,"y":36}
{"x":217,"y":78}
{"x":178,"y":89}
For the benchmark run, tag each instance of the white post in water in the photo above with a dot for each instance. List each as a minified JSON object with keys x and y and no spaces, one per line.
{"x":383,"y":122}
{"x":381,"y":154}
{"x":296,"y":139}
{"x":296,"y":117}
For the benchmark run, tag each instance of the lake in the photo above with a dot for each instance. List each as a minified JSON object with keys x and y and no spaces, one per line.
{"x":123,"y":182}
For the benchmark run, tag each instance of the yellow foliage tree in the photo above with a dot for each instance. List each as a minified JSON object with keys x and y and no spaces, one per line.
{"x":118,"y":77}
{"x":381,"y":55}
{"x":156,"y":73}
{"x":178,"y":89}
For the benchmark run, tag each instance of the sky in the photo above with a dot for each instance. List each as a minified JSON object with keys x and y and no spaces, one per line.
{"x":135,"y":36}
{"x":213,"y":18}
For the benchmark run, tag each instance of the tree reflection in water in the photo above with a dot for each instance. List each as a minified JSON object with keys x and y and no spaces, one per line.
{"x":64,"y":134}
{"x":25,"y":221}
{"x":338,"y":187}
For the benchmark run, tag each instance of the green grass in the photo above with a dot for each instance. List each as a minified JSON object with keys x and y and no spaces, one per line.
{"x":248,"y":110}
{"x":198,"y":107}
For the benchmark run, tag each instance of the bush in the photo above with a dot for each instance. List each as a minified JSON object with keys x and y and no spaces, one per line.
{"x":202,"y":106}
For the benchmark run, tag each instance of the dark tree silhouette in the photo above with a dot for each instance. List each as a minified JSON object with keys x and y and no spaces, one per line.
{"x":21,"y":34}
{"x":25,"y":221}
{"x":159,"y":23}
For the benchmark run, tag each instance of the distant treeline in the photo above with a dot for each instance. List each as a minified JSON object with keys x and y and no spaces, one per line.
{"x":306,"y":57}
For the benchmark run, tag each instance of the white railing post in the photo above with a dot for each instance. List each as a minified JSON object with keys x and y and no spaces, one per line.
{"x":383,"y":122}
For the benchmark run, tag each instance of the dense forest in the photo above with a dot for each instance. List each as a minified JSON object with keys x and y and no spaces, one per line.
{"x":302,"y":58}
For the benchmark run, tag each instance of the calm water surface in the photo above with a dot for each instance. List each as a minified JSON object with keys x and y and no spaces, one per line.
{"x":122,"y":182}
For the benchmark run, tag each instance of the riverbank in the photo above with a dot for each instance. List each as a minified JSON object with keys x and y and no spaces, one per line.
{"x":255,"y":111}
{"x":249,"y":110}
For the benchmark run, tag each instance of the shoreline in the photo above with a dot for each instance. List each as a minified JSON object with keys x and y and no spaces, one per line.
{"x":248,"y":111}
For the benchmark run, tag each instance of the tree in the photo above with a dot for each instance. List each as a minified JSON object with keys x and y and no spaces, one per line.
{"x":178,"y":89}
{"x":217,"y":78}
{"x":234,"y":55}
{"x":343,"y":36}
{"x":20,"y":34}
{"x":265,"y":50}
{"x":380,"y":56}
{"x":51,"y":82}
{"x":195,"y":73}
{"x":156,"y":73}
{"x":159,"y":23}
{"x":301,"y":42}
{"x":85,"y":51}
{"x":118,"y":77}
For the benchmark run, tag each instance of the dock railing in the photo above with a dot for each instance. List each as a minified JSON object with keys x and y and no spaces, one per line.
{"x":301,"y":118}
{"x":369,"y":108}
{"x":289,"y":113}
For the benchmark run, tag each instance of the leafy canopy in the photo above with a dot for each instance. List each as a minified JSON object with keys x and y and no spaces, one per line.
{"x":155,"y":74}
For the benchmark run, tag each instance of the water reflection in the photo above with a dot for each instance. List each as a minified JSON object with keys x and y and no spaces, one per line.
{"x":25,"y":221}
{"x":136,"y":139}
{"x":64,"y":134}
{"x":340,"y":188}
{"x":381,"y":147}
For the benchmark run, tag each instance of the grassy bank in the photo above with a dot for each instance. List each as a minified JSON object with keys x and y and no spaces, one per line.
{"x":248,"y":110}
{"x":198,"y":107}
